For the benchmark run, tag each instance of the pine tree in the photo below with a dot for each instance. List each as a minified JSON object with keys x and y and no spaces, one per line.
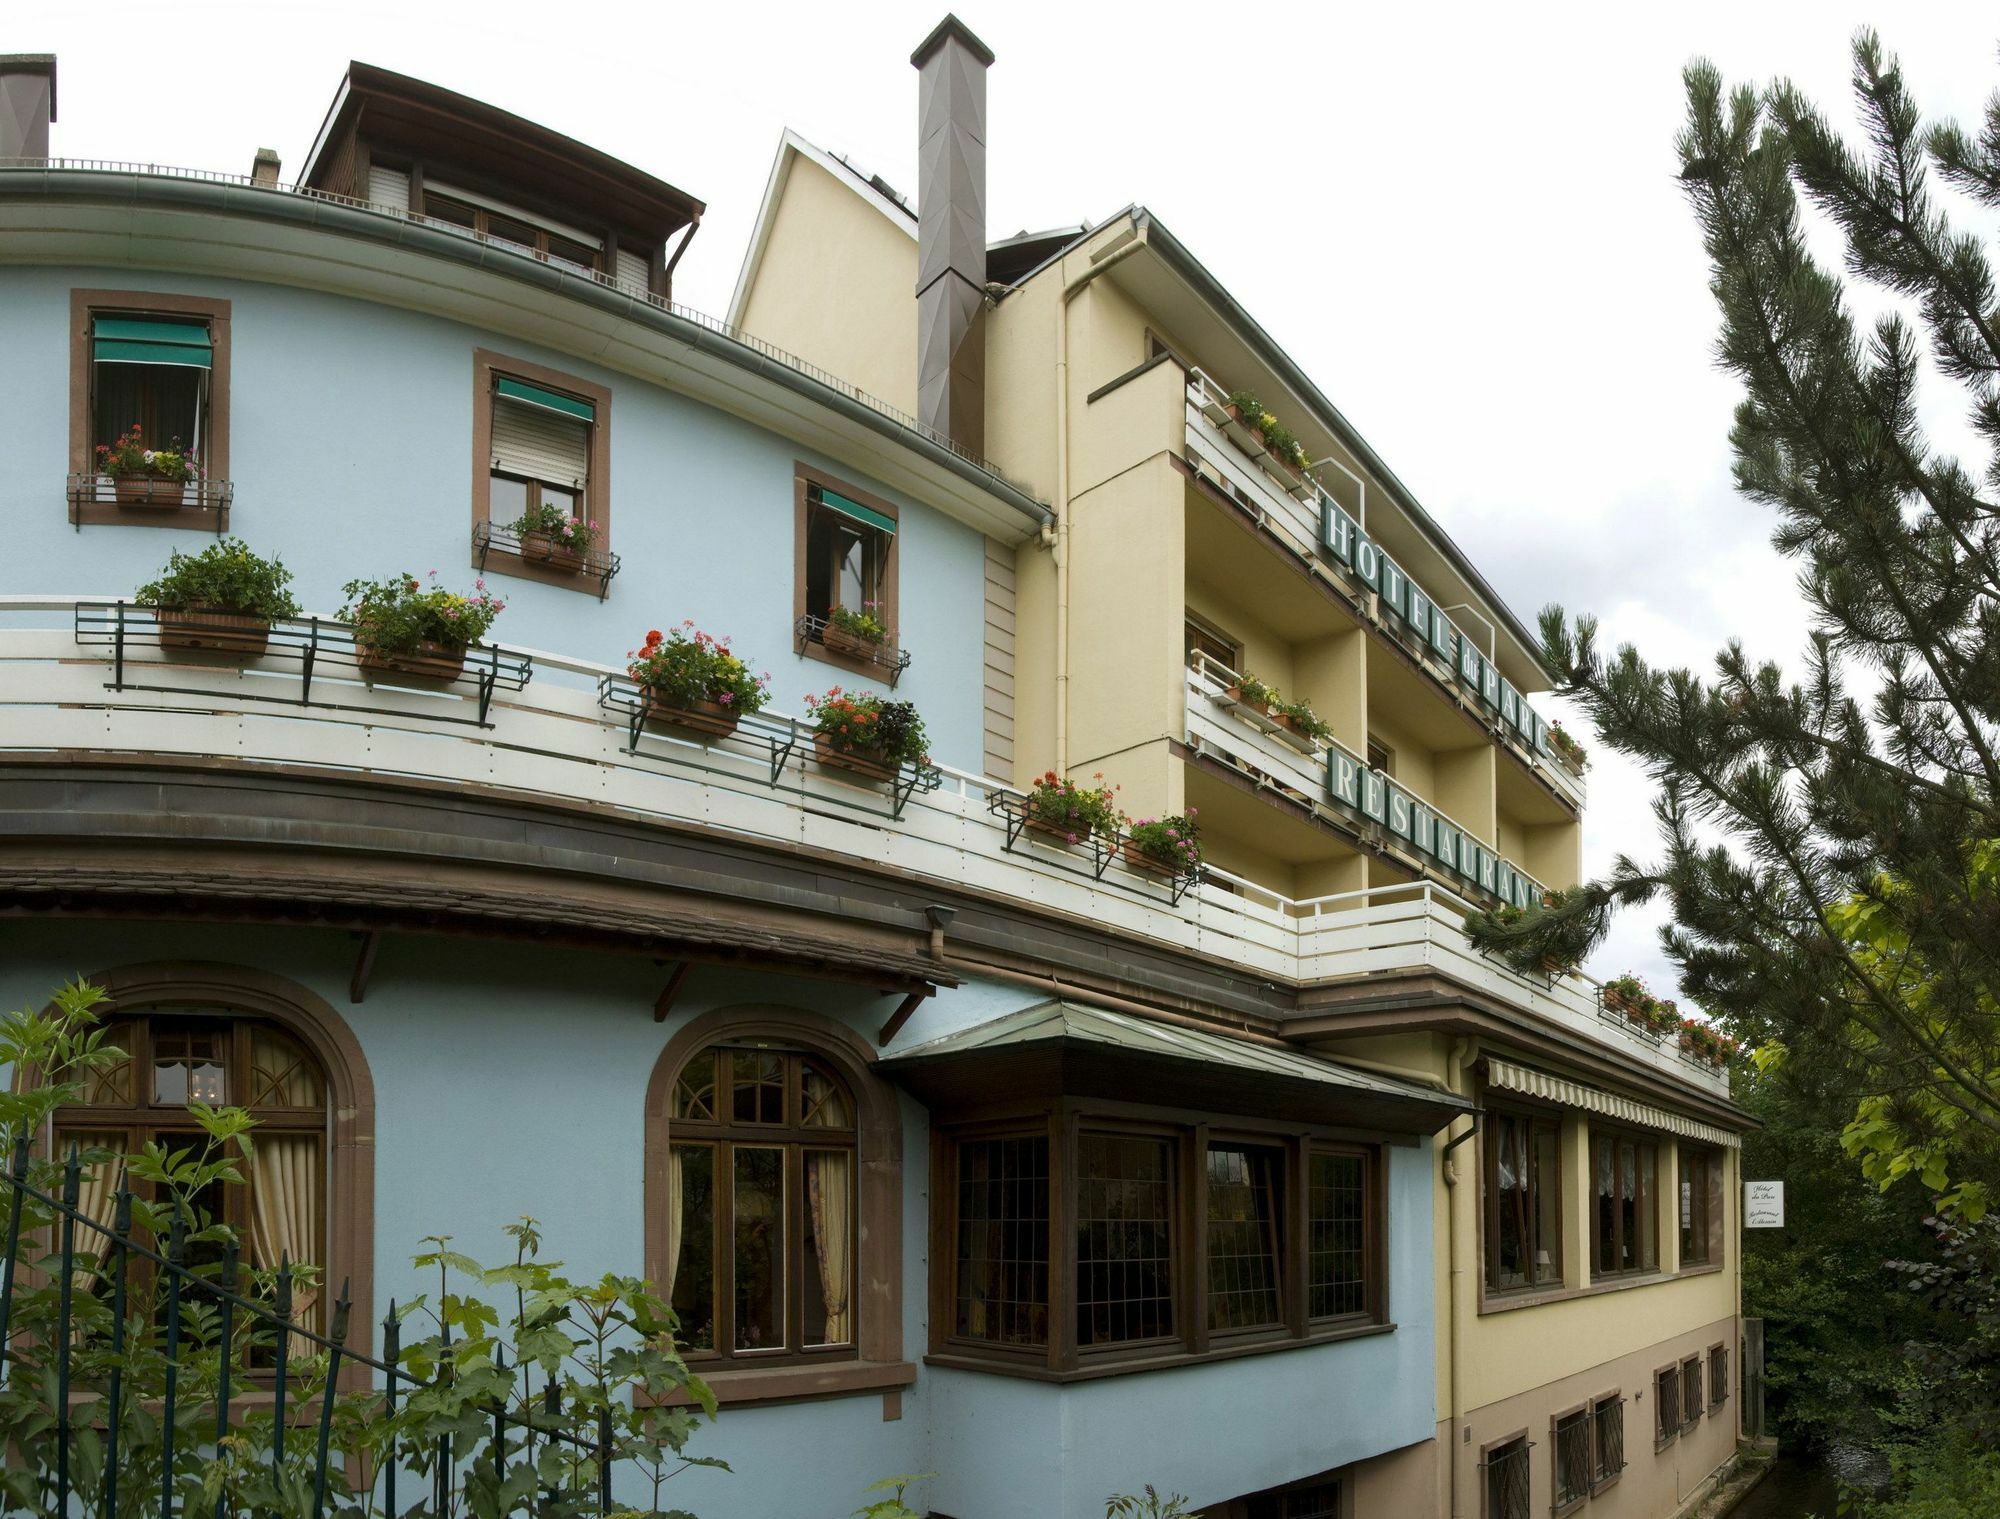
{"x":1831,"y":847}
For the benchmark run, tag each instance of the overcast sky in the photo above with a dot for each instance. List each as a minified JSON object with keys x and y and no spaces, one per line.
{"x":1463,"y":221}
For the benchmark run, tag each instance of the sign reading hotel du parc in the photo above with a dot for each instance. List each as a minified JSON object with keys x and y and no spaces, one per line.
{"x":1763,"y":1205}
{"x":1372,"y":795}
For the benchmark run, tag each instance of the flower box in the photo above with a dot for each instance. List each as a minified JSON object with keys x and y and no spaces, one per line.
{"x":148,"y":491}
{"x":1057,"y":833}
{"x":714,"y":718}
{"x":1146,"y":864}
{"x":429,"y":660}
{"x":542,"y":548}
{"x":871,"y":764}
{"x":853,"y":645}
{"x":210,"y":628}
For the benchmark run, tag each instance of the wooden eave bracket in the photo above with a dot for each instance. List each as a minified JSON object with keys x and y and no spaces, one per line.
{"x":664,"y":1003}
{"x":901,"y":1015}
{"x":364,"y":964}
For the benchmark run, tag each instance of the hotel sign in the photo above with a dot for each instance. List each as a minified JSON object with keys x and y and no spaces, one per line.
{"x":1369,"y":794}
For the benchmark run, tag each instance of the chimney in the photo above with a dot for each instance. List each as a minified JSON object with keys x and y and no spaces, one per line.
{"x":27,"y":103}
{"x":951,"y":68}
{"x":264,"y":169}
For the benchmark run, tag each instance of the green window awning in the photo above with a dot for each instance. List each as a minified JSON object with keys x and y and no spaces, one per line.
{"x":144,"y":340}
{"x":834,"y":501}
{"x":548,"y":400}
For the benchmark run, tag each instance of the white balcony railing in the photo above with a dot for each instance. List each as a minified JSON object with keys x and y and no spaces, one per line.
{"x":1290,"y":505}
{"x":553,"y":736}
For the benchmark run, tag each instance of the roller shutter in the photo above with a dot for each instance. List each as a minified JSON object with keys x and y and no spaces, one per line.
{"x":538,"y":440}
{"x":389,"y":188}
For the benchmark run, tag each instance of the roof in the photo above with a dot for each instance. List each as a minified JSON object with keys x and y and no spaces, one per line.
{"x":428,"y":119}
{"x":1060,"y":1020}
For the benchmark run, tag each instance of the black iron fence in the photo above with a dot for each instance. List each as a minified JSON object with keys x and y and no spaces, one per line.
{"x":143,"y":1377}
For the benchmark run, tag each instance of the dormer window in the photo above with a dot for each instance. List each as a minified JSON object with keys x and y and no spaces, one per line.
{"x":549,"y":240}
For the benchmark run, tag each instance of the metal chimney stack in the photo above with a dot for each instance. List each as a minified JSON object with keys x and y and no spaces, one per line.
{"x":951,"y":68}
{"x":27,"y":103}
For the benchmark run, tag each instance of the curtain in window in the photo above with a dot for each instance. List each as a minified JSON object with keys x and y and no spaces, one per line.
{"x":673,"y":1222}
{"x":96,"y":1188}
{"x":287,"y":1205}
{"x":282,"y":1074}
{"x":830,"y":1195}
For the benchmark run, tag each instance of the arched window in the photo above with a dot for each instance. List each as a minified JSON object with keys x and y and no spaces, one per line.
{"x":761,"y":1204}
{"x":178,"y":1055}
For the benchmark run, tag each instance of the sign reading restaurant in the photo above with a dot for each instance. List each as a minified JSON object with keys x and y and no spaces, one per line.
{"x":1370,"y":794}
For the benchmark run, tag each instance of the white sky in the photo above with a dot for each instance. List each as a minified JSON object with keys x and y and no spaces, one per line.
{"x":1463,"y":221}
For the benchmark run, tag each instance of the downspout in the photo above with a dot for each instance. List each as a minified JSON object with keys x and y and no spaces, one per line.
{"x":1461,"y":1054}
{"x":1057,"y":537}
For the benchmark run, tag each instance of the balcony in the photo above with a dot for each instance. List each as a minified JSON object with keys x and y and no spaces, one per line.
{"x":547,"y":726}
{"x":200,"y":502}
{"x":1291,"y":506}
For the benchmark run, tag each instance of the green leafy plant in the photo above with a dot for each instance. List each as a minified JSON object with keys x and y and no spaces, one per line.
{"x":1076,"y":810}
{"x":689,"y":666}
{"x":564,"y":530}
{"x":862,"y":624}
{"x":1174,"y":841}
{"x":129,"y":457}
{"x":1149,"y":1503}
{"x":398,"y":616}
{"x":224,"y":577}
{"x":892,"y":1506}
{"x":869,"y":726}
{"x":1568,"y":747}
{"x":1256,"y":693}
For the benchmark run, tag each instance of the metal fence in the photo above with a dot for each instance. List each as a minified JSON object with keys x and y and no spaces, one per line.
{"x":161,"y":1386}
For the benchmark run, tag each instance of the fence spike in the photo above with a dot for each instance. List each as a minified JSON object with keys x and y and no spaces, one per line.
{"x":341,"y":1308}
{"x":283,"y":1359}
{"x":175,"y":1236}
{"x":121,"y":1235}
{"x":71,"y":1187}
{"x":17,"y":1176}
{"x":227,"y":1358}
{"x":392,"y":1350}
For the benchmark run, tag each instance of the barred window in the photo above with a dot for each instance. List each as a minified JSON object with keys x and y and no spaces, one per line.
{"x":1691,"y":1402}
{"x":1608,"y":1439}
{"x":1718,"y":1375}
{"x":1124,"y":1239}
{"x":1667,"y":1403}
{"x":1003,"y":1240}
{"x":1506,"y":1486}
{"x":1313,"y":1500}
{"x":1571,"y":1456}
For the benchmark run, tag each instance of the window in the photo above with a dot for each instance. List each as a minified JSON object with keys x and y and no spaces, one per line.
{"x":179,"y":1056}
{"x":1691,"y":1399}
{"x":1124,"y":1239}
{"x":1624,"y":1239}
{"x":1208,"y":644}
{"x":1003,"y":1240}
{"x":1380,"y":756}
{"x":1570,"y":1453}
{"x":761,"y":1204}
{"x":1607,"y":1435}
{"x":1523,"y":1202}
{"x":1718,"y":1375}
{"x":846,"y":558}
{"x":1666,"y":1404}
{"x":160,"y":363}
{"x":1243,"y":1245}
{"x":1701,"y":1208}
{"x":1505,"y":1490}
{"x":513,"y":227}
{"x":542,"y":440}
{"x":1179,"y":1241}
{"x":1310,"y":1500}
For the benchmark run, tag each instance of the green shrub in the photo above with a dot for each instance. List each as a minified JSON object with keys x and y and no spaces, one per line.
{"x":397,"y":615}
{"x":224,"y":577}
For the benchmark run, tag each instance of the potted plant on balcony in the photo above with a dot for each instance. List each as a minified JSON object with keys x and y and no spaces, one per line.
{"x":225,"y":598}
{"x":691,"y":679}
{"x":1568,"y":749}
{"x":865,"y":734}
{"x":142,"y":476}
{"x":1302,"y":720}
{"x":549,"y":535}
{"x":1243,"y":407}
{"x":1169,"y":846}
{"x":408,"y":626}
{"x":1061,"y":809}
{"x":856,"y":634}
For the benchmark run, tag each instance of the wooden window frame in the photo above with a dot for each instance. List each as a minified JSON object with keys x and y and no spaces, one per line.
{"x":1718,"y":1386}
{"x":1064,"y":1122}
{"x":1276,"y":1502}
{"x":487,"y":366}
{"x":1691,"y":1384}
{"x":1586,"y":1412}
{"x":1486,"y":1453}
{"x":1664,"y":1433}
{"x":84,"y":305}
{"x":1602,"y":1136}
{"x":1193,"y":623}
{"x":873,"y":1362}
{"x":1600,"y":1480}
{"x":1489,"y":1162}
{"x":1376,"y":746}
{"x":482,"y":218}
{"x":889,"y":607}
{"x":1704,"y":1205}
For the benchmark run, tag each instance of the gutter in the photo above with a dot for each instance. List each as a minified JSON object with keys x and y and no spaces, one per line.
{"x":304,"y":209}
{"x":1184,"y":264}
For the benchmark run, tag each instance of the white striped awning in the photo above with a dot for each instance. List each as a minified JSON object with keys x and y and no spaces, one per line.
{"x":1573,"y":1094}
